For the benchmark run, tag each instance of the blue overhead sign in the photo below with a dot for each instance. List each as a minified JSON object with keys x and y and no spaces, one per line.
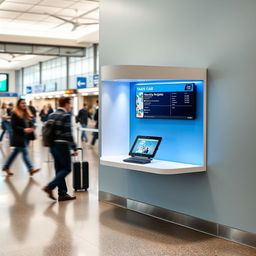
{"x":95,"y":80}
{"x":28,"y":89}
{"x":81,"y":82}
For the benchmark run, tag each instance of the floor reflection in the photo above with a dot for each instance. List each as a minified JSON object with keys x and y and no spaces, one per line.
{"x":21,"y":211}
{"x":2,"y":151}
{"x":61,"y":243}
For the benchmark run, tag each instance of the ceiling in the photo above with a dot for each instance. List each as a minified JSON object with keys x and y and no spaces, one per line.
{"x":59,"y":22}
{"x":17,"y":61}
{"x":35,"y":18}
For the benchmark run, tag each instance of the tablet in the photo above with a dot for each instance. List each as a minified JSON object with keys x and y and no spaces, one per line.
{"x":145,"y":146}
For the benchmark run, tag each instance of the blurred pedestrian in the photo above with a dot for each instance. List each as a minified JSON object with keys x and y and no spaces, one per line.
{"x":95,"y":135}
{"x":82,"y":118}
{"x":44,"y":114}
{"x":32,"y":110}
{"x":5,"y":118}
{"x":23,"y":132}
{"x":50,"y":109}
{"x":10,"y":108}
{"x":62,"y":143}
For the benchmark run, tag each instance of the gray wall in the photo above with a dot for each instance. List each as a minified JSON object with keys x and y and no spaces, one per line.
{"x":219,"y":35}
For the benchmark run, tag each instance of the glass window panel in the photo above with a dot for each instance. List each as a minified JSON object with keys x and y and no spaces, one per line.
{"x":1,"y":47}
{"x":19,"y":48}
{"x":72,"y":51}
{"x":72,"y":82}
{"x":47,"y":50}
{"x":58,"y":71}
{"x":78,"y":68}
{"x":71,"y":69}
{"x":83,"y":66}
{"x":90,"y":65}
{"x":31,"y":75}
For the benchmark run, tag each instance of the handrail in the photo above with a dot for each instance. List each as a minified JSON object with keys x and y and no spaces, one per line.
{"x":88,"y":129}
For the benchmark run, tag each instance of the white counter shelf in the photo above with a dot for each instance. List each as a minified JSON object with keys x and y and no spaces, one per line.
{"x":156,"y":166}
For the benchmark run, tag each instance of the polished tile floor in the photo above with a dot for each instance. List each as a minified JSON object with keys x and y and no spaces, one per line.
{"x":31,"y":224}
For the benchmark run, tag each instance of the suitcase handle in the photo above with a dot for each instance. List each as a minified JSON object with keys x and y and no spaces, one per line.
{"x":82,"y":156}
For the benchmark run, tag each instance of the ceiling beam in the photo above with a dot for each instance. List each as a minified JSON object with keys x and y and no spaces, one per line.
{"x":42,"y":40}
{"x":47,"y":14}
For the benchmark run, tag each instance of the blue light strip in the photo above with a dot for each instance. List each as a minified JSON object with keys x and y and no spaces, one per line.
{"x":166,"y":83}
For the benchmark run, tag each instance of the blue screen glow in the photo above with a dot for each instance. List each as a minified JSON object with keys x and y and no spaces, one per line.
{"x":182,"y":140}
{"x":145,"y":146}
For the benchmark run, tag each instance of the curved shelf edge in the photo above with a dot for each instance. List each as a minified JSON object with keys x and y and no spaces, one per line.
{"x":156,"y":166}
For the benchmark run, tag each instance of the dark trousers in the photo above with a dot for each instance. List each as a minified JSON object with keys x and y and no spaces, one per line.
{"x":62,"y":164}
{"x":95,"y":136}
{"x":6,"y":125}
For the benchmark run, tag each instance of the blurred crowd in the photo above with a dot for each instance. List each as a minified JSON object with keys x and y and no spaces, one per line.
{"x":20,"y":121}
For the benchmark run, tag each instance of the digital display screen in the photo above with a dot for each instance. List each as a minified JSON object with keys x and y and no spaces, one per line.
{"x":145,"y":146}
{"x":166,"y":101}
{"x":3,"y":82}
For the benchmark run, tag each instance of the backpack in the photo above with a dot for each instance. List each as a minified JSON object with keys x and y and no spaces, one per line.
{"x":48,"y":132}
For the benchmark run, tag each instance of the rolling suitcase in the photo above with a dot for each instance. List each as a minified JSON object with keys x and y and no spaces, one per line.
{"x":80,"y":174}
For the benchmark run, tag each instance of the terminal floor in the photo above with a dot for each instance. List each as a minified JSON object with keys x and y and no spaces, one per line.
{"x":31,"y":224}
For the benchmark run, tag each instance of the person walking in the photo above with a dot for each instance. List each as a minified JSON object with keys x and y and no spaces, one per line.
{"x":5,"y":115}
{"x":10,"y":109}
{"x":32,"y":109}
{"x":23,"y":132}
{"x":50,"y":109}
{"x":83,"y":116}
{"x":95,"y":135}
{"x":63,"y":142}
{"x":44,"y":114}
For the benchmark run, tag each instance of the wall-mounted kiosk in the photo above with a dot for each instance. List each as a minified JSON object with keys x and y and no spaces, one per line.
{"x":165,"y":102}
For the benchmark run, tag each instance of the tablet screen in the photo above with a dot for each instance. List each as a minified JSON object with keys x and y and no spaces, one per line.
{"x":145,"y":146}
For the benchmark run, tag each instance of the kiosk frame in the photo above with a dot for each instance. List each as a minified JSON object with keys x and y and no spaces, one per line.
{"x":115,"y":115}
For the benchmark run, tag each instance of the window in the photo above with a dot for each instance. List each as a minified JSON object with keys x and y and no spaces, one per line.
{"x":81,"y":67}
{"x":55,"y":70}
{"x":31,"y":76}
